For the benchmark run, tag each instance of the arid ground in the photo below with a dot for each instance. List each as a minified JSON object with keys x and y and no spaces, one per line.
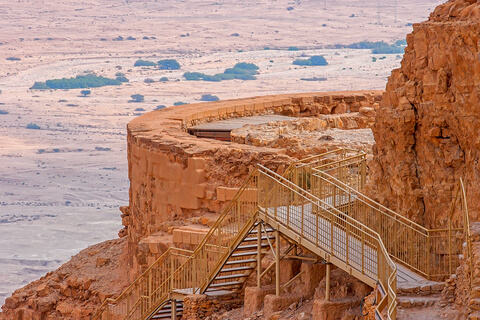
{"x":61,"y":185}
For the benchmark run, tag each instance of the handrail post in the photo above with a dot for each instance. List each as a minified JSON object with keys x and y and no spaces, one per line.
{"x":277,"y":263}
{"x":450,"y":245}
{"x":428,"y":256}
{"x":174,"y":309}
{"x":259,"y":255}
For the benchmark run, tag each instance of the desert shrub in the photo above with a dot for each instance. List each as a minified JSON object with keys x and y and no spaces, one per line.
{"x":293,"y":49}
{"x":246,"y":66}
{"x":289,"y":8}
{"x":314,"y":79}
{"x":379,"y":47}
{"x":119,"y":38}
{"x":33,"y":126}
{"x":235,"y":34}
{"x":144,"y":63}
{"x":85,"y":92}
{"x":163,"y":79}
{"x":193,"y":76}
{"x":39,"y":86}
{"x":179,"y":103}
{"x":168,"y":64}
{"x":213,"y":78}
{"x":3,"y":112}
{"x":160,"y":107}
{"x":209,"y":97}
{"x":13,"y":59}
{"x":139,"y":109}
{"x":0,"y":91}
{"x":137,"y":98}
{"x":79,"y":82}
{"x":103,"y":149}
{"x":131,"y":38}
{"x":149,"y":80}
{"x":122,"y":79}
{"x":312,"y":61}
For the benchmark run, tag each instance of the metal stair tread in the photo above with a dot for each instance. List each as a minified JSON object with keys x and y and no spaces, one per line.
{"x":243,"y":254}
{"x":251,"y":246}
{"x":237,"y":269}
{"x":226,"y":284}
{"x":240,"y":261}
{"x":232,"y":276}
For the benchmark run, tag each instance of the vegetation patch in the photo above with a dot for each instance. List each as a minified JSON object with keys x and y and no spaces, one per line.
{"x":144,"y":63}
{"x":179,"y":103}
{"x":3,"y":112}
{"x":312,"y":61}
{"x":168,"y":64}
{"x":380,"y":47}
{"x":137,"y":98}
{"x":79,"y":82}
{"x":314,"y":79}
{"x":13,"y":59}
{"x":33,"y":126}
{"x":209,"y":97}
{"x":241,"y":71}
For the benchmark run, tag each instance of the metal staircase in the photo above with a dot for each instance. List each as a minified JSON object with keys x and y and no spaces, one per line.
{"x":316,"y":206}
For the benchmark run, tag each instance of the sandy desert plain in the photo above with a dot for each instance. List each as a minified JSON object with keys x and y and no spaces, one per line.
{"x":61,"y":185}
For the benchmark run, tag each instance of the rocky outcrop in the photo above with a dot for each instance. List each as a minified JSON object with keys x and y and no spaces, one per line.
{"x":427,"y":128}
{"x":76,"y":289}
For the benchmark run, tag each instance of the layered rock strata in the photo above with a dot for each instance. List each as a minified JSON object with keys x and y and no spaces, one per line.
{"x":427,"y":129}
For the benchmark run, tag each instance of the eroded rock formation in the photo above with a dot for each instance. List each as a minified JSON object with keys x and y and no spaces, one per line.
{"x":427,"y":128}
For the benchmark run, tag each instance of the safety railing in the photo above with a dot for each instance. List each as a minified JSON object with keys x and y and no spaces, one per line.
{"x":431,"y":253}
{"x":151,"y":288}
{"x":347,"y":164}
{"x":328,"y":230}
{"x":459,"y":215}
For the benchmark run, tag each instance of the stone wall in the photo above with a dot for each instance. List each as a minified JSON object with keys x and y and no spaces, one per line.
{"x":175,"y":176}
{"x":427,"y":129}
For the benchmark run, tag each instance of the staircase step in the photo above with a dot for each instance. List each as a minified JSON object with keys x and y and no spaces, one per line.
{"x":416,"y":301}
{"x":229,"y":263}
{"x":245,"y":254}
{"x":163,"y":311}
{"x":237,"y":269}
{"x":232,"y":276}
{"x":251,"y":246}
{"x":255,"y":231}
{"x":226,"y":284}
{"x":255,"y":238}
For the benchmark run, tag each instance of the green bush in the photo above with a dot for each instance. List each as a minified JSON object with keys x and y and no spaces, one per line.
{"x":85,"y":92}
{"x":163,"y":79}
{"x":39,"y":86}
{"x":293,"y":49}
{"x":122,"y":79}
{"x":3,"y":112}
{"x":209,"y":97}
{"x":246,"y":66}
{"x":139,"y":109}
{"x":33,"y":126}
{"x":312,"y":61}
{"x":149,"y":80}
{"x":160,"y":107}
{"x":168,"y":64}
{"x":137,"y":98}
{"x":379,"y":47}
{"x":179,"y":103}
{"x":144,"y":63}
{"x":13,"y":59}
{"x":241,"y":71}
{"x":79,"y":82}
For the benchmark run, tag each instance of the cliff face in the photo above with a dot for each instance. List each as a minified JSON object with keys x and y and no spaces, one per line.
{"x":427,"y":128}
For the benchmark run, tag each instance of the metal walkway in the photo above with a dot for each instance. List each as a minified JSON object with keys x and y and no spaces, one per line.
{"x":317,"y":206}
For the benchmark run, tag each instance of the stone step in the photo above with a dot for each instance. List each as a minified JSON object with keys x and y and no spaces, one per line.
{"x":418,"y":301}
{"x":474,"y":316}
{"x":422,"y":290}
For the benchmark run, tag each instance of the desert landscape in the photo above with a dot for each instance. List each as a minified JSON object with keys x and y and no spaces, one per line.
{"x":62,"y":181}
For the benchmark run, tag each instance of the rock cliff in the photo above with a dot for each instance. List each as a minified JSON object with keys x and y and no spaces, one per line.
{"x":427,"y":127}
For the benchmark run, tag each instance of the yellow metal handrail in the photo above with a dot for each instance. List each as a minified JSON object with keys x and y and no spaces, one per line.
{"x":145,"y":292}
{"x":326,"y":231}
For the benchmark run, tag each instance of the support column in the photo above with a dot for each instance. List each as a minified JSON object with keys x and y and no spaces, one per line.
{"x":327,"y":283}
{"x":277,"y":262}
{"x":259,"y":255}
{"x":174,"y":309}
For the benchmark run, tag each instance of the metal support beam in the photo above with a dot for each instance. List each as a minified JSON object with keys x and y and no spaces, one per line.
{"x":259,"y":255}
{"x":174,"y":309}
{"x":277,"y":263}
{"x":327,"y":283}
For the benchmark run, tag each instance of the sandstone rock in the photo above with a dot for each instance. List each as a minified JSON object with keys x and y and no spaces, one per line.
{"x":42,"y":290}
